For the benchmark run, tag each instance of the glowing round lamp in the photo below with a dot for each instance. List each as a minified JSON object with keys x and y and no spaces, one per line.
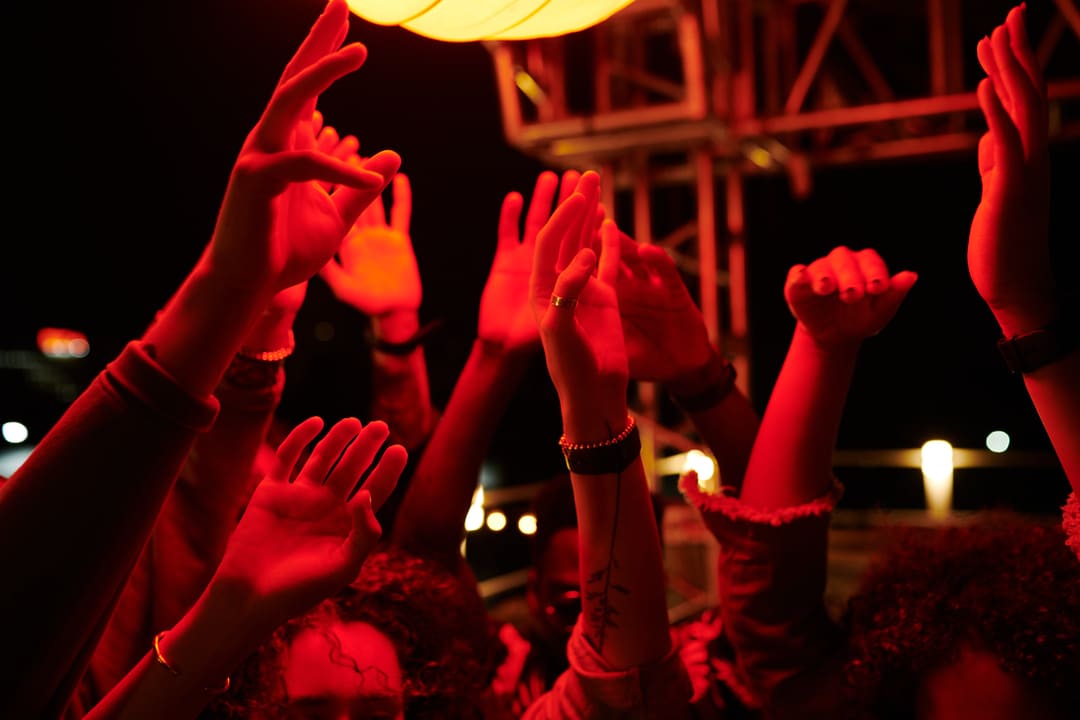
{"x":466,"y":20}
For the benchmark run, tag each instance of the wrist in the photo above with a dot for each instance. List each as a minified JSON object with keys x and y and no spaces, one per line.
{"x":833,"y":347}
{"x":396,"y":326}
{"x":588,"y":424}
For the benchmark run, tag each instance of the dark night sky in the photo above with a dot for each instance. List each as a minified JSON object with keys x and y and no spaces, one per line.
{"x":125,"y":118}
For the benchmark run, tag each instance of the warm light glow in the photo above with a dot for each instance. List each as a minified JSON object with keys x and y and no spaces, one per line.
{"x":62,"y":343}
{"x":466,"y":20}
{"x":496,"y":520}
{"x":14,"y":432}
{"x":937,"y":469}
{"x":702,"y":464}
{"x":997,"y":441}
{"x":527,"y":524}
{"x":474,"y":519}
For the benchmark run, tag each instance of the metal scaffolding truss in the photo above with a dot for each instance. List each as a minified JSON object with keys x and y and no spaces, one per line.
{"x":675,"y":102}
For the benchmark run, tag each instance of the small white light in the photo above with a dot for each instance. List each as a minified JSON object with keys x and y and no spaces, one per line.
{"x":474,"y":519}
{"x":527,"y":524}
{"x":14,"y":432}
{"x":702,"y":464}
{"x":496,"y":521}
{"x":997,"y":441}
{"x":937,"y":469}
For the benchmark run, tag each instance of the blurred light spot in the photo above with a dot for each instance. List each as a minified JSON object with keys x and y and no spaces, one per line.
{"x":10,"y":460}
{"x":528,"y":85}
{"x":14,"y":432}
{"x":997,"y":441}
{"x":702,"y":464}
{"x":496,"y":521}
{"x":527,"y":524}
{"x":760,"y":157}
{"x":937,"y":469}
{"x":474,"y":519}
{"x":62,"y":343}
{"x":324,"y":331}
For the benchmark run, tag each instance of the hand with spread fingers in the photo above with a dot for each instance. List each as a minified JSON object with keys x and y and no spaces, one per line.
{"x":376,"y":270}
{"x":302,"y":539}
{"x":1008,"y":251}
{"x":846,"y":296}
{"x":575,"y":305}
{"x":278,"y":224}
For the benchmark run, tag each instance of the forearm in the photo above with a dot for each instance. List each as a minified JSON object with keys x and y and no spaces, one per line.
{"x":791,"y":463}
{"x":401,"y":397}
{"x":624,"y":607}
{"x":432,"y":514}
{"x":729,"y":428}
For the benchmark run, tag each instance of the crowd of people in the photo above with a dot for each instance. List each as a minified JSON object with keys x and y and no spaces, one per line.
{"x":169,"y":551}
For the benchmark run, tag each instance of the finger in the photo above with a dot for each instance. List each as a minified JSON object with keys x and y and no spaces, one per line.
{"x":317,"y":122}
{"x":296,"y":166}
{"x":283,"y":111}
{"x":383,"y":479}
{"x":346,"y":148}
{"x":889,"y":302}
{"x":509,"y":215}
{"x":327,"y":140}
{"x":1016,"y":22}
{"x":985,"y":53}
{"x":326,"y":34}
{"x":608,"y":271}
{"x":293,"y":445}
{"x":401,"y":210}
{"x":874,"y":271}
{"x":327,"y":451}
{"x":986,"y":153}
{"x":1016,"y":81}
{"x":822,"y":276}
{"x":365,"y":534}
{"x":849,"y":278}
{"x":357,"y":458}
{"x":589,"y":188}
{"x":540,"y":205}
{"x":548,"y":241}
{"x":799,"y":286}
{"x":570,"y":284}
{"x":1008,"y":150}
{"x":568,"y":184}
{"x":630,"y":251}
{"x":658,"y":259}
{"x":351,"y":201}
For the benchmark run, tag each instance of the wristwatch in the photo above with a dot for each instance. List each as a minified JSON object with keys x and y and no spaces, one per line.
{"x":1030,"y":351}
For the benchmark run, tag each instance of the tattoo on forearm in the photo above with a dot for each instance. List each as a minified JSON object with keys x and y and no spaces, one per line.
{"x":599,"y":586}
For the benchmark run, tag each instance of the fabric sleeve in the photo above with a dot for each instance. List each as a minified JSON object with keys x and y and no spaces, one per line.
{"x":592,"y":689}
{"x":771,"y":585}
{"x":1071,"y":523}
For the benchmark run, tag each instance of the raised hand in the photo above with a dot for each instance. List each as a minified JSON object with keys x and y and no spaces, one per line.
{"x":1008,"y":253}
{"x":665,"y":332}
{"x":376,"y":270}
{"x":577,"y":311}
{"x":505,"y":312}
{"x":278,"y":224}
{"x":846,"y":296}
{"x":301,"y":540}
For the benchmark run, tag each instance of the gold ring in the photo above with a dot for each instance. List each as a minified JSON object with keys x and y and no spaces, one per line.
{"x":565,"y":302}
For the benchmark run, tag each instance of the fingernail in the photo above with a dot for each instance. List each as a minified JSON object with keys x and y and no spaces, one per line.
{"x":875,"y":283}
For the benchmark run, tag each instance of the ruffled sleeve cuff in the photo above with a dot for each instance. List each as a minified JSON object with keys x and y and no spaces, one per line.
{"x":1071,"y":523}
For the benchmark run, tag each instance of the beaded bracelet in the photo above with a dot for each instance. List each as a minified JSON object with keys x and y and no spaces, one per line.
{"x":605,"y":457}
{"x":269,"y":356}
{"x":160,"y":659}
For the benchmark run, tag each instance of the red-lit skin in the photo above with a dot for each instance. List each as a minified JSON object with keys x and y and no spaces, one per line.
{"x":376,"y":273}
{"x":586,"y":358}
{"x":431,"y":518}
{"x":277,"y":226}
{"x":1008,"y":248}
{"x":318,"y":687}
{"x":298,"y":542}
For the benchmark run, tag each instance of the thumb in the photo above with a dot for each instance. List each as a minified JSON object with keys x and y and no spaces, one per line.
{"x":890,"y":301}
{"x":366,"y":531}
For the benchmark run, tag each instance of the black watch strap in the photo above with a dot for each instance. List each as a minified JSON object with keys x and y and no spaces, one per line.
{"x":605,"y":459}
{"x":1030,"y":351}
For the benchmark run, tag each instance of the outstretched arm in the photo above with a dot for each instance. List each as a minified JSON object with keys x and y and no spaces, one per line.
{"x":115,"y":453}
{"x":1008,"y":248}
{"x":376,"y":273}
{"x":667,"y":342}
{"x":431,"y":519}
{"x":298,"y":542}
{"x":624,"y":623}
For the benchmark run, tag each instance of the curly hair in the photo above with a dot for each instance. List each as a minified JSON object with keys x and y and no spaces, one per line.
{"x":1006,"y":586}
{"x":439,"y":629}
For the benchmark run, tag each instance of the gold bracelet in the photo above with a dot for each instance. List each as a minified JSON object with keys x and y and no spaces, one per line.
{"x":176,"y":673}
{"x":606,"y":457}
{"x":269,"y":356}
{"x":567,"y":445}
